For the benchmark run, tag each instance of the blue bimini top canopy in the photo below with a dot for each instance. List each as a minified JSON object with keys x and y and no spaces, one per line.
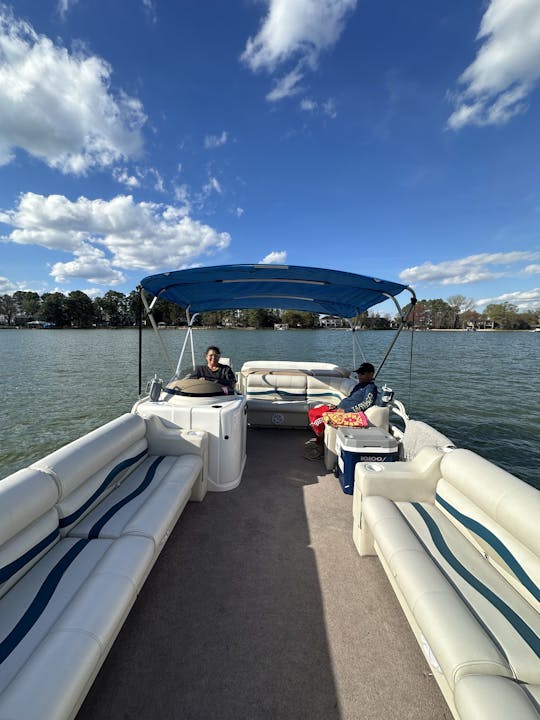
{"x":287,"y":287}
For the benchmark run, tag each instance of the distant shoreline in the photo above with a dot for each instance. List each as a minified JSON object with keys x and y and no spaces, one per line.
{"x":217,"y":327}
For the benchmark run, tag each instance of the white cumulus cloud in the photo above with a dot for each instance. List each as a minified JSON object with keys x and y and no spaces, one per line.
{"x":524,"y":299}
{"x":107,"y":237}
{"x":296,"y":31}
{"x":463,"y":271}
{"x":506,"y":68}
{"x":58,"y":105}
{"x":276,"y":257}
{"x":91,"y":264}
{"x":122,"y":176}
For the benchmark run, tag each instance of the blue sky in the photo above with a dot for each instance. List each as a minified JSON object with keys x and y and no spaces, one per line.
{"x":399,"y":140}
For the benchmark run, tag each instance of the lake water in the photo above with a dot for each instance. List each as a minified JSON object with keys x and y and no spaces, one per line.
{"x":479,"y":388}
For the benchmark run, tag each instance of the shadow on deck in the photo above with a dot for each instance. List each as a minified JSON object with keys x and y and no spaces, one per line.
{"x":260,"y":608}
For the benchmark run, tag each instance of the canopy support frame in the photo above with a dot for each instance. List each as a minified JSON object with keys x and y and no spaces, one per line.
{"x":400,"y":328}
{"x":149,"y":314}
{"x":189,"y":336}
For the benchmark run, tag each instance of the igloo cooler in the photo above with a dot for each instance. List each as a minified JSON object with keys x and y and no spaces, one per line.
{"x":353,"y":445}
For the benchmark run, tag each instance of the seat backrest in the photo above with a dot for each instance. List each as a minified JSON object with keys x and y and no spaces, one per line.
{"x":498,"y":512}
{"x":276,"y":385}
{"x":285,"y":367}
{"x":329,"y":389}
{"x":28,"y":522}
{"x":310,"y":366}
{"x":89,"y":468}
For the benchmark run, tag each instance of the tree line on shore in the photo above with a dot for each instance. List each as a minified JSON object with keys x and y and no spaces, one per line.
{"x":457,"y":312}
{"x":115,"y":309}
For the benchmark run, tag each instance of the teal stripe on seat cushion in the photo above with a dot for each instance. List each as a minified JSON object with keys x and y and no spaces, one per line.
{"x":492,"y":540}
{"x":521,"y":627}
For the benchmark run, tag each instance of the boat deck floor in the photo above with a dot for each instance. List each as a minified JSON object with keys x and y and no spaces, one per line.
{"x":259,"y":607}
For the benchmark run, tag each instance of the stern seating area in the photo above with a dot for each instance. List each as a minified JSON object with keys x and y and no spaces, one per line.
{"x":458,"y":538}
{"x":79,"y":532}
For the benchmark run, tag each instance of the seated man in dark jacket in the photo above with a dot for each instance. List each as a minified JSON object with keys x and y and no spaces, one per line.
{"x":364,"y":393}
{"x":362,"y":396}
{"x":213,"y":370}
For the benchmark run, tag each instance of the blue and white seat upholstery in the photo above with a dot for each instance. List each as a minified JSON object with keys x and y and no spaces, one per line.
{"x":462,"y":551}
{"x":62,"y":600}
{"x":112,"y":484}
{"x":79,"y":533}
{"x":91,"y":467}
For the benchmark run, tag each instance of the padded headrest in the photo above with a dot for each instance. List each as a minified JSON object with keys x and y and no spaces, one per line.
{"x":504,"y":497}
{"x":83,"y":457}
{"x":24,"y":497}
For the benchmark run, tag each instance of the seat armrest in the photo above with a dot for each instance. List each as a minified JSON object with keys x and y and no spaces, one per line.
{"x":413,"y":480}
{"x":165,"y":438}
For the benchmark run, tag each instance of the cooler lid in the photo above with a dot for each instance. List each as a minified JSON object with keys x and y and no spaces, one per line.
{"x":355,"y":439}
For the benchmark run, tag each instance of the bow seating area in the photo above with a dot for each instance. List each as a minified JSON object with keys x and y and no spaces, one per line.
{"x":279,"y":394}
{"x":458,"y":538}
{"x":79,"y":532}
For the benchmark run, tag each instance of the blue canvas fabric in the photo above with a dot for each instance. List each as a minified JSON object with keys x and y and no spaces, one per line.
{"x":288,"y":287}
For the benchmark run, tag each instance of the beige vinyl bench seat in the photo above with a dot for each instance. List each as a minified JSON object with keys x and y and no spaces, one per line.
{"x":458,"y":538}
{"x":279,"y":393}
{"x":79,"y":532}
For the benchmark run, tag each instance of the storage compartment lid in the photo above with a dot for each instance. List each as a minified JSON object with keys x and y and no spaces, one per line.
{"x":355,"y":439}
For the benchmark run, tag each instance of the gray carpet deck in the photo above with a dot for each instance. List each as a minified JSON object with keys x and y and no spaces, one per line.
{"x":260,"y":608}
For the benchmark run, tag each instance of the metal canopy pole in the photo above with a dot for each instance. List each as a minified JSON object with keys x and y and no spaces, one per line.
{"x":189,"y":336}
{"x":139,"y":322}
{"x":400,"y":311}
{"x":150,"y":315}
{"x":355,"y":342}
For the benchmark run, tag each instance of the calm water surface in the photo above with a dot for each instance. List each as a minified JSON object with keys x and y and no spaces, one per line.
{"x":481,"y":389}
